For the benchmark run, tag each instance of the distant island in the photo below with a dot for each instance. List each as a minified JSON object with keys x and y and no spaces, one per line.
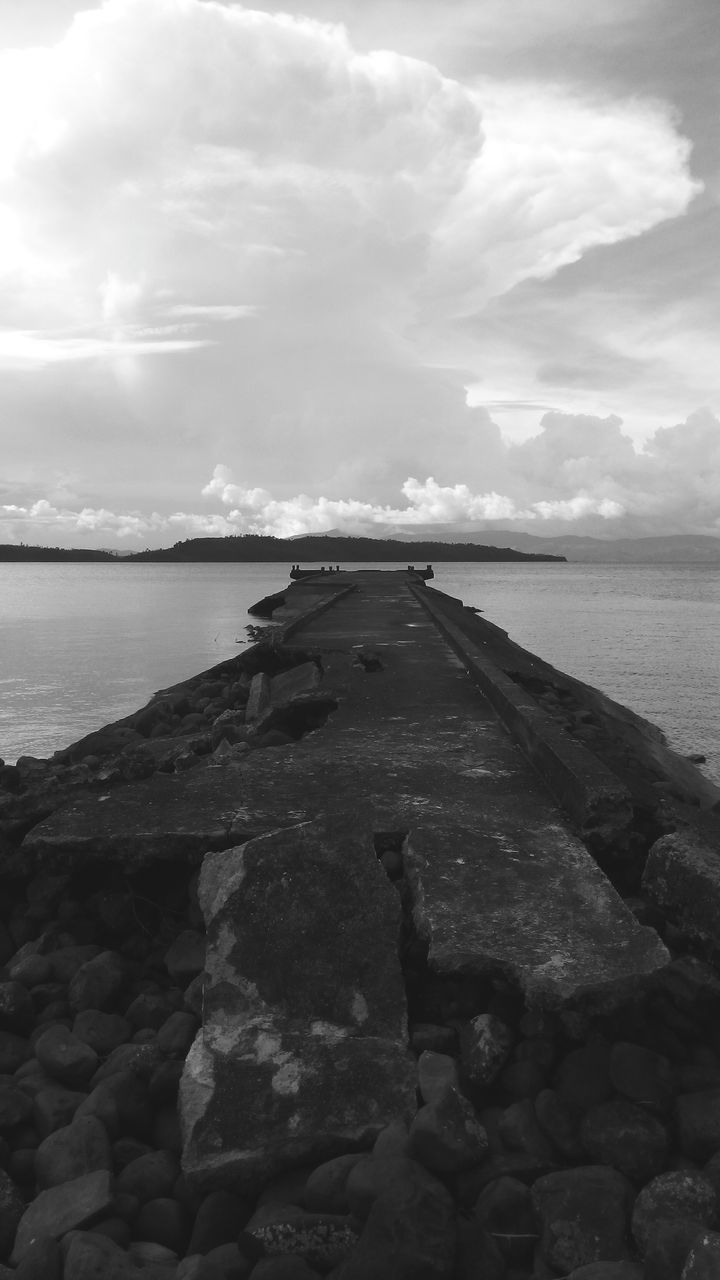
{"x":253,"y":548}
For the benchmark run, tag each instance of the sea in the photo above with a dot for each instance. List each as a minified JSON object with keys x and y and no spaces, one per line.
{"x":82,"y":645}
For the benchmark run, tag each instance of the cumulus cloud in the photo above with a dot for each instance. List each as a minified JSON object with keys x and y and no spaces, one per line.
{"x":578,"y":474}
{"x":300,"y":225}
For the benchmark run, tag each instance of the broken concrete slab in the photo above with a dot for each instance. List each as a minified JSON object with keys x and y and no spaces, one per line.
{"x":682,"y":875}
{"x":289,"y":685}
{"x":527,"y":904}
{"x":165,"y":816}
{"x":303,"y":1051}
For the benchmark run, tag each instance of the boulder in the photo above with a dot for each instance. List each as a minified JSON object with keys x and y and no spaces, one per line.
{"x":69,"y":1153}
{"x":584,"y":1216}
{"x":300,"y":1011}
{"x":61,"y":1209}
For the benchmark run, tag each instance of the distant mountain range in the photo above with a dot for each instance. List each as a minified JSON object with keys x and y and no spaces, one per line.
{"x":425,"y":542}
{"x":682,"y":548}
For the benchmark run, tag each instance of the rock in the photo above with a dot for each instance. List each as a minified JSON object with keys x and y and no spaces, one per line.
{"x":218,"y":1220}
{"x":436,"y":1073}
{"x":65,"y":961}
{"x":150,"y":1176}
{"x":97,"y":983}
{"x":166,"y":1131}
{"x":485,"y":1045}
{"x":176,"y":1034}
{"x":679,"y":1194}
{"x":321,"y":1042}
{"x":505,"y":1210}
{"x":55,"y":1107}
{"x":326,"y":1188}
{"x":625,"y":1136}
{"x":68,"y":1153}
{"x":65,"y":1057}
{"x":162,"y":1221}
{"x":523,"y":1079}
{"x":61,"y":1209}
{"x":519,"y":1131}
{"x":16,"y":1007}
{"x":12,"y":1207}
{"x":446,"y":1136}
{"x":557,"y":1124}
{"x":102,"y":1031}
{"x":478,"y":1256}
{"x":583,"y":1079}
{"x":607,"y":1271}
{"x":258,"y":703}
{"x":165,"y":1081}
{"x":410,"y":1231}
{"x":641,"y":1075}
{"x":584,"y":1216}
{"x":122,"y":1103}
{"x":322,"y":1240}
{"x":43,"y":1261}
{"x":15,"y":1106}
{"x":91,"y":1256}
{"x":703,"y":1260}
{"x":668,"y":1247}
{"x":14,"y":1050}
{"x":697,"y":1121}
{"x":140,"y":1059}
{"x":149,"y":1009}
{"x":285,"y":1268}
{"x":682,"y":876}
{"x":31,"y":970}
{"x":426,"y":1035}
{"x":185,"y":958}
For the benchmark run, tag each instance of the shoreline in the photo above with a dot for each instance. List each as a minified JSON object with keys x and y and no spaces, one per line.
{"x":510,"y":1132}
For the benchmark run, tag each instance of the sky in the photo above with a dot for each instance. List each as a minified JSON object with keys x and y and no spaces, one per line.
{"x":366,"y":266}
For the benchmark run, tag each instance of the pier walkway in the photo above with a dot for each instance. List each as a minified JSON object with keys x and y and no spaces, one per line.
{"x":407,"y":770}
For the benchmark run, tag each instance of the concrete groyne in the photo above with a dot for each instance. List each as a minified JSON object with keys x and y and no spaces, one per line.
{"x":382,"y":949}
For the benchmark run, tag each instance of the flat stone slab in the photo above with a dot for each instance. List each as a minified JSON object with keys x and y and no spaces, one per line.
{"x":529,"y":904}
{"x":182,"y":815}
{"x":682,"y":875}
{"x":303,"y":1051}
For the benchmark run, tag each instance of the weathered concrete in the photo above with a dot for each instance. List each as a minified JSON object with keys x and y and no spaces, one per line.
{"x":528,"y":905}
{"x":593,"y":796}
{"x":682,"y":875}
{"x":303,"y":1052}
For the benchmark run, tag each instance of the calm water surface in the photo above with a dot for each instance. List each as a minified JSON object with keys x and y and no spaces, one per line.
{"x":81,"y":645}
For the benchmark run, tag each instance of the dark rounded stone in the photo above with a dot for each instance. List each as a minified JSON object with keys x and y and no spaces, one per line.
{"x":14,"y":1051}
{"x":166,"y":1132}
{"x":623,"y":1135}
{"x":165,"y":1082}
{"x":98,"y":982}
{"x":102,"y":1031}
{"x":15,"y":1105}
{"x":584,"y":1216}
{"x":162,"y":1221}
{"x":16,"y":1006}
{"x":582,"y":1079}
{"x":12,"y":1208}
{"x":150,"y":1176}
{"x":524,"y":1079}
{"x":668,"y":1247}
{"x":697,"y":1120}
{"x":679,"y":1194}
{"x":78,"y":1148}
{"x":505,"y":1209}
{"x":176,"y":1034}
{"x":65,"y":1057}
{"x":43,"y":1261}
{"x":122,"y":1103}
{"x":53,"y":1108}
{"x":219,"y":1218}
{"x":326,"y":1188}
{"x":641,"y":1075}
{"x":558,"y":1125}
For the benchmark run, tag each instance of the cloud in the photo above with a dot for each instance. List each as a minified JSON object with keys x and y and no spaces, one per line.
{"x":171,"y":168}
{"x":578,"y":474}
